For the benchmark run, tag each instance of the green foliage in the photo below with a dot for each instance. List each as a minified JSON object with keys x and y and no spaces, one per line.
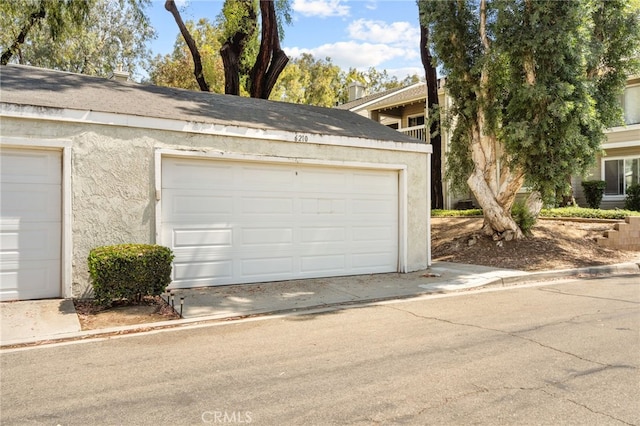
{"x":176,"y":69}
{"x":84,"y":36}
{"x":307,"y":80}
{"x":593,"y":192}
{"x":581,"y":212}
{"x":632,"y":201}
{"x":129,"y":271}
{"x":523,"y":217}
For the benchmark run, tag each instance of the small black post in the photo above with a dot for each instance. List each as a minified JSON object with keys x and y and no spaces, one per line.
{"x":181,"y":305}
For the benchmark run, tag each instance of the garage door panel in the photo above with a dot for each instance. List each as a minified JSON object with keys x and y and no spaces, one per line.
{"x":323,"y":234}
{"x":202,"y":271}
{"x":372,"y":207}
{"x":196,"y":174}
{"x":30,"y":242}
{"x":373,"y":233}
{"x":269,"y":178}
{"x":286,"y":221}
{"x":29,"y":167}
{"x":324,"y":181}
{"x":375,"y":183}
{"x":254,"y":205}
{"x":277,"y":266}
{"x":30,"y":202}
{"x":202,"y":238}
{"x":322,"y":265}
{"x":28,"y":279}
{"x":373,"y":262}
{"x":194,"y":205}
{"x":268,"y":236}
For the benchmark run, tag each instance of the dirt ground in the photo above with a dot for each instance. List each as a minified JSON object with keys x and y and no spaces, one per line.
{"x":554,"y":245}
{"x":151,"y":309}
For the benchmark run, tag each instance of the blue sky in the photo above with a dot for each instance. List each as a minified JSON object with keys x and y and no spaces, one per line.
{"x":358,"y":34}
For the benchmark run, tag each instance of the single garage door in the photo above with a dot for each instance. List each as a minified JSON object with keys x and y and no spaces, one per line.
{"x":30,"y":224}
{"x":241,"y":222}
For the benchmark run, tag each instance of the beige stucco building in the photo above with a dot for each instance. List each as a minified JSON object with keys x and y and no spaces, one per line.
{"x":243,"y":190}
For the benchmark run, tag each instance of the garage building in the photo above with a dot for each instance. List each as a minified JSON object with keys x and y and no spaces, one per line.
{"x":242,"y":190}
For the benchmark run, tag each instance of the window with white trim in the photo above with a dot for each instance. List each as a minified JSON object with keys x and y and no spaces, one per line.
{"x":619,"y":174}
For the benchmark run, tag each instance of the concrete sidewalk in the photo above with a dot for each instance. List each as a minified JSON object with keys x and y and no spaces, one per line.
{"x":29,"y":322}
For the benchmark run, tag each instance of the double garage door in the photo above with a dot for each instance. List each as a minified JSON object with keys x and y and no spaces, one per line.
{"x":240,"y":222}
{"x":30,"y":224}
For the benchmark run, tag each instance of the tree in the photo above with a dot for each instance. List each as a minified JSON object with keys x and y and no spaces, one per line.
{"x":239,"y":22}
{"x":176,"y":69}
{"x":534,"y":84}
{"x":431,"y":76}
{"x":20,"y":17}
{"x":89,"y":42}
{"x":310,"y":81}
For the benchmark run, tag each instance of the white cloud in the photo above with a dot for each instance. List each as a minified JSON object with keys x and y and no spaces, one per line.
{"x":352,"y":54}
{"x":320,"y":8}
{"x":383,"y":32}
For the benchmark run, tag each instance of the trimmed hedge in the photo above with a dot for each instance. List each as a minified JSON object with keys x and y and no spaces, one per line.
{"x":585,"y":213}
{"x":560,"y":212}
{"x":129,"y":271}
{"x":593,"y":192}
{"x":632,"y":201}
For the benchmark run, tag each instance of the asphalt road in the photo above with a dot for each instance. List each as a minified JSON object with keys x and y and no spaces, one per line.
{"x":566,"y":353}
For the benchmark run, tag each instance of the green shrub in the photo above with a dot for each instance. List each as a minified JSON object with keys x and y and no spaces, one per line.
{"x":632,"y":202}
{"x":456,"y":213}
{"x":593,"y":192}
{"x":523,"y":217}
{"x":129,"y":271}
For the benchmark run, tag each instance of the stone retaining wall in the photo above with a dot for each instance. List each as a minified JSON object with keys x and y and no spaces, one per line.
{"x":625,"y":236}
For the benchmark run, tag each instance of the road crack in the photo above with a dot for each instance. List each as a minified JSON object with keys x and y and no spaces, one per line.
{"x":496,"y":330}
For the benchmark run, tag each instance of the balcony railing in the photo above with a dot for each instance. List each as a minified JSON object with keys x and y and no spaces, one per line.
{"x":417,"y":132}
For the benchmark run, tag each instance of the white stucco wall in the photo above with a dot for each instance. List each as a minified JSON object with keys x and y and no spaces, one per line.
{"x":113,"y":189}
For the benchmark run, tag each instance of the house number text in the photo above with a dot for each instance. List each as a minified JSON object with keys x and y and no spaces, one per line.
{"x":301,"y":138}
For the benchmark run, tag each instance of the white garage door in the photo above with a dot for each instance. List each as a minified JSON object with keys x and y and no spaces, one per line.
{"x":240,"y":222}
{"x":30,"y":224}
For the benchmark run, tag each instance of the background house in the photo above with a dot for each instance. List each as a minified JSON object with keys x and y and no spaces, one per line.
{"x":619,"y":165}
{"x":242,"y":190}
{"x":404,"y":110}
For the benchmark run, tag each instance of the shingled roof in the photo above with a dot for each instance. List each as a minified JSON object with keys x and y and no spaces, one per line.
{"x":28,"y":86}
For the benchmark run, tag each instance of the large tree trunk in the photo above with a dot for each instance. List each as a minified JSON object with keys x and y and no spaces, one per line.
{"x":232,"y":49}
{"x":271,"y":58}
{"x":495,"y":190}
{"x":170,"y":5}
{"x":437,"y":199}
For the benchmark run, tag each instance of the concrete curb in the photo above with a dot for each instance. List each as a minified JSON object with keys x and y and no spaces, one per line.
{"x":590,"y":271}
{"x":620,"y":269}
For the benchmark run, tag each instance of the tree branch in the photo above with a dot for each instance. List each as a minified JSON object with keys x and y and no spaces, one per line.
{"x":170,"y":5}
{"x":271,"y":59}
{"x":33,"y":18}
